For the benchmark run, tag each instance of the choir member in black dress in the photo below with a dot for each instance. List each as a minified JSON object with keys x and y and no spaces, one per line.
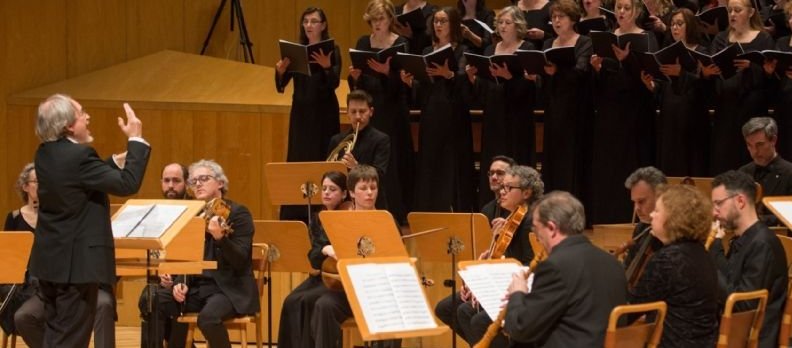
{"x":476,"y":38}
{"x":683,"y":126}
{"x":508,"y":124}
{"x":777,"y":30}
{"x":569,"y":104}
{"x":658,"y":20}
{"x":781,"y":89}
{"x":418,"y":37}
{"x":741,"y":96}
{"x":314,"y":113}
{"x":593,"y":9}
{"x":537,"y":17}
{"x":623,"y":130}
{"x":444,"y":177}
{"x":22,"y":219}
{"x":295,"y":321}
{"x":390,"y":102}
{"x":681,"y":273}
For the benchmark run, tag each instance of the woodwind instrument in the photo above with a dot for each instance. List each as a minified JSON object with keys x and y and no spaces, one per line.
{"x":711,"y":236}
{"x":496,"y":325}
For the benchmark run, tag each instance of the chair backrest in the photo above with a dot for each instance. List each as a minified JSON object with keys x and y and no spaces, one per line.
{"x":260,"y":264}
{"x":786,"y":242}
{"x":639,"y":334}
{"x":786,"y":319}
{"x":742,"y":329}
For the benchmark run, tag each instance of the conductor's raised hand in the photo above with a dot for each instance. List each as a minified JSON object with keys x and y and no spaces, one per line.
{"x":133,"y":127}
{"x":180,"y":292}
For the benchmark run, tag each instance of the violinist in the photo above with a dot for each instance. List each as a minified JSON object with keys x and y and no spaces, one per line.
{"x":219,"y":294}
{"x":643,"y":184}
{"x":756,"y":259}
{"x":521,"y":187}
{"x":681,"y":273}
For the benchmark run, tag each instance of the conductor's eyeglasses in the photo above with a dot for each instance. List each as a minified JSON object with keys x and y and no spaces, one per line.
{"x":201,"y":178}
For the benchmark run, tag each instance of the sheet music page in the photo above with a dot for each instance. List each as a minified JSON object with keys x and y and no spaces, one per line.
{"x":390,"y":297}
{"x":783,"y":208}
{"x":489,"y":283}
{"x":158,"y":220}
{"x":128,"y":218}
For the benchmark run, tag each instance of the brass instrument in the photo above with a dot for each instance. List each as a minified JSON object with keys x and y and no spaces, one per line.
{"x":346,"y":145}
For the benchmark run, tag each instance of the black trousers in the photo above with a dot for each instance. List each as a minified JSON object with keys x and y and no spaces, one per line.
{"x":474,"y":323}
{"x":298,"y":308}
{"x":445,"y":311}
{"x":213,"y":308}
{"x":70,"y":309}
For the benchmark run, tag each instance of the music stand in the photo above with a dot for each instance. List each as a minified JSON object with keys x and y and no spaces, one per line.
{"x":356,"y":234}
{"x":457,"y":236}
{"x":284,"y":239}
{"x":295,"y":183}
{"x":15,"y":249}
{"x":610,"y":237}
{"x":244,"y":38}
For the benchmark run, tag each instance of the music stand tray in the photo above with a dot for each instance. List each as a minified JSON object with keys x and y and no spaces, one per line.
{"x":355,"y":234}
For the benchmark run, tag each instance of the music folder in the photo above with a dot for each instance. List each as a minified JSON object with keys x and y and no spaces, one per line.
{"x":586,"y":25}
{"x":483,"y":63}
{"x":723,"y":59}
{"x":534,"y":61}
{"x":417,"y":64}
{"x":360,"y":58}
{"x":300,"y":55}
{"x":716,"y":15}
{"x":602,"y":41}
{"x":415,"y":19}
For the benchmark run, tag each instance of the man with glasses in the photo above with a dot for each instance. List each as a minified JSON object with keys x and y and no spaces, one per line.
{"x":643,"y":184}
{"x":521,"y":186}
{"x":756,"y":259}
{"x":219,"y":294}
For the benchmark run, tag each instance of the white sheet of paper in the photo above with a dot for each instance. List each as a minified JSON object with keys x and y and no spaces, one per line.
{"x":128,"y":218}
{"x":489,"y":282}
{"x":390,"y":297}
{"x":783,"y":208}
{"x":153,"y":225}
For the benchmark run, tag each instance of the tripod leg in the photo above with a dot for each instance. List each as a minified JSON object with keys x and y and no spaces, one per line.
{"x":214,"y":24}
{"x":244,"y":38}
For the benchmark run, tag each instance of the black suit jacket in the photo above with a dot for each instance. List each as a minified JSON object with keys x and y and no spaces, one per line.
{"x":74,"y":239}
{"x":573,"y":293}
{"x":234,"y":273}
{"x":756,"y":261}
{"x":776,"y":180}
{"x":371,"y":148}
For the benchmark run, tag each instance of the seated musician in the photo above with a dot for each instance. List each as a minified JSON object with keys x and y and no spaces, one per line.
{"x":219,"y":294}
{"x":574,"y":289}
{"x":767,"y":167}
{"x":643,"y":184}
{"x":681,"y":273}
{"x":298,"y":307}
{"x":756,"y":259}
{"x":521,"y":187}
{"x":372,"y":147}
{"x":446,"y":308}
{"x":332,"y":307}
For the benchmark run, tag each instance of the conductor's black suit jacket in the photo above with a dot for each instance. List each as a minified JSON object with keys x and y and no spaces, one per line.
{"x":74,"y":239}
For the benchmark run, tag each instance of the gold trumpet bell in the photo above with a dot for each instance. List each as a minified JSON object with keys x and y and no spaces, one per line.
{"x":345,"y":146}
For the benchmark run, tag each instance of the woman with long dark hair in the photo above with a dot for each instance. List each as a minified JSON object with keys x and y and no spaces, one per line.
{"x":474,"y":36}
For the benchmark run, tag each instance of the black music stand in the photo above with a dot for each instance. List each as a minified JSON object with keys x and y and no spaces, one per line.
{"x":244,"y":38}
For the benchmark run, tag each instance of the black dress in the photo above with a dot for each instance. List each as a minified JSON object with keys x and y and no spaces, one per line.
{"x":623,"y":136}
{"x":508,"y":125}
{"x":737,"y":99}
{"x":314,"y":113}
{"x":15,"y":222}
{"x":540,"y":19}
{"x":684,"y":276}
{"x":569,"y":107}
{"x":391,"y":116}
{"x":486,"y":16}
{"x":444,"y":176}
{"x":782,"y":95}
{"x":683,"y":139}
{"x":420,"y":37}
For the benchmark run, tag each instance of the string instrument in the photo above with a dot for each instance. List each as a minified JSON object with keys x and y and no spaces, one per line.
{"x":220,"y":208}
{"x":506,"y":233}
{"x":495,"y":326}
{"x":330,"y":277}
{"x":346,"y":145}
{"x":641,"y":259}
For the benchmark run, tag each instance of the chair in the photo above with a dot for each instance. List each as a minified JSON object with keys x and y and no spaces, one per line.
{"x":786,"y":317}
{"x":5,"y":339}
{"x":638,"y":334}
{"x":260,"y":251}
{"x":742,"y":329}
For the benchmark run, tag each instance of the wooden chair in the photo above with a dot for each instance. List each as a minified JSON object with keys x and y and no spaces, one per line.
{"x":260,"y":251}
{"x":639,"y":334}
{"x":786,"y":318}
{"x":742,"y":329}
{"x":5,"y":339}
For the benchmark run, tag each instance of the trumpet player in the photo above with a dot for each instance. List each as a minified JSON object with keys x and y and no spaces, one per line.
{"x":368,"y":145}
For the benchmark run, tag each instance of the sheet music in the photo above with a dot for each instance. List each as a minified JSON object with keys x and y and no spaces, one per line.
{"x":489,"y":282}
{"x":146,"y":221}
{"x":390,"y":297}
{"x":784,"y":208}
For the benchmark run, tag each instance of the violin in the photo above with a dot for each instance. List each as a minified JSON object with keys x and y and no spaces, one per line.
{"x":641,"y":258}
{"x":220,"y":208}
{"x":506,"y":232}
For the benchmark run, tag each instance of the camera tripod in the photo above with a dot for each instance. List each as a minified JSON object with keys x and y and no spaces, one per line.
{"x":244,"y":38}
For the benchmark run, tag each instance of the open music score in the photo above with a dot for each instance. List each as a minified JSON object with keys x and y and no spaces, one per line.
{"x":488,"y":280}
{"x":149,"y":220}
{"x":387,"y":299}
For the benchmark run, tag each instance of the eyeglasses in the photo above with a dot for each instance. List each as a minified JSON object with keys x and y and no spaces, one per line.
{"x":201,"y":178}
{"x":508,"y":188}
{"x":678,"y":24}
{"x":496,"y":172}
{"x":440,"y":21}
{"x":558,"y":16}
{"x":311,"y":22}
{"x":719,"y":202}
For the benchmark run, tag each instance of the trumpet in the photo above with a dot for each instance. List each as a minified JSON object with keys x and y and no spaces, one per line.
{"x":346,"y":145}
